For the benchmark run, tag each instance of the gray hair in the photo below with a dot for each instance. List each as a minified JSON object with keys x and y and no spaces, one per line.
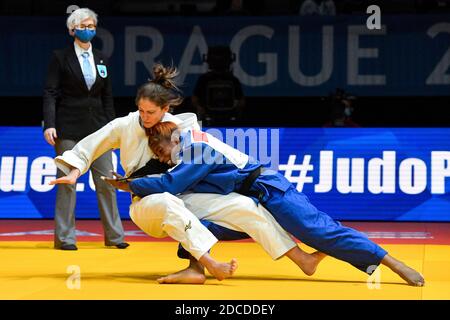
{"x":79,"y":15}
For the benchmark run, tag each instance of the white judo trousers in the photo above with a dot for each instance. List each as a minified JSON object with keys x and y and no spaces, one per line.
{"x":171,"y":215}
{"x":162,"y":215}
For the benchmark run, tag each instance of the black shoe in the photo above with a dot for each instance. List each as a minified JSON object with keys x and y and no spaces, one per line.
{"x":68,"y":247}
{"x":122,"y":245}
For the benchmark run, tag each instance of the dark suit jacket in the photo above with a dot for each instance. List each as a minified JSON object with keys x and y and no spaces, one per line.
{"x":69,"y":106}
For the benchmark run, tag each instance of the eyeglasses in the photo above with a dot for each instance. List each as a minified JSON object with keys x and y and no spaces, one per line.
{"x":84,"y":27}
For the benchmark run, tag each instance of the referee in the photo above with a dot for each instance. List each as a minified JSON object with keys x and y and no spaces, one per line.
{"x":78,"y":101}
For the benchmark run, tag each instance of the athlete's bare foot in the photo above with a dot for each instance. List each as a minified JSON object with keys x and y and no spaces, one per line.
{"x":219,"y":270}
{"x":222,"y":270}
{"x":310,"y":265}
{"x":411,"y":276}
{"x":185,"y":276}
{"x":194,"y":274}
{"x":308,"y":262}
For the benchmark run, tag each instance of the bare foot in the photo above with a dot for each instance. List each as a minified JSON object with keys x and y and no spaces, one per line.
{"x":219,"y":270}
{"x":411,"y":276}
{"x":223,"y":270}
{"x":185,"y":276}
{"x":307,"y":262}
{"x":309,"y":266}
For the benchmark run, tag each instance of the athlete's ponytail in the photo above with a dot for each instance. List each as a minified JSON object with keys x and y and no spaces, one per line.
{"x":162,"y":89}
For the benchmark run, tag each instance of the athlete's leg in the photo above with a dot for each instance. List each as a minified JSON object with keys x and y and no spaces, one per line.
{"x":195,"y":273}
{"x":221,"y":233}
{"x":161,"y":215}
{"x":306,"y":262}
{"x":239,"y":213}
{"x":164,"y":215}
{"x":318,"y":230}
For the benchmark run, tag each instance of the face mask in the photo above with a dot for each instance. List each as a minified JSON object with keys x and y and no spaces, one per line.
{"x":84,"y":35}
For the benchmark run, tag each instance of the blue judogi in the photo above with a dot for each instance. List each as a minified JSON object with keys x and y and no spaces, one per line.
{"x":205,"y":164}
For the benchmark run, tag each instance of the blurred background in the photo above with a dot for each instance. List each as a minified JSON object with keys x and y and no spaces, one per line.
{"x":295,"y":60}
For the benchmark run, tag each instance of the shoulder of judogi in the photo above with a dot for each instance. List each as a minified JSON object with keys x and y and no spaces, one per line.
{"x":170,"y":117}
{"x":132,"y":116}
{"x":126,"y":121}
{"x":198,"y":137}
{"x":234,"y":156}
{"x":190,"y":139}
{"x":189,"y":121}
{"x":196,"y":140}
{"x":193,"y":136}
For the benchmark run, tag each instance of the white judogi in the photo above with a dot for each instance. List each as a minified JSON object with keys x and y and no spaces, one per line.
{"x":161,"y":215}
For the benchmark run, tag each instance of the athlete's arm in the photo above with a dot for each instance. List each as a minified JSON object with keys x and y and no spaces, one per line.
{"x":182,"y":177}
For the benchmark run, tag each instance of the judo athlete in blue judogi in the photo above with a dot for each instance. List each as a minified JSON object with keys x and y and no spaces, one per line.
{"x":202,"y":163}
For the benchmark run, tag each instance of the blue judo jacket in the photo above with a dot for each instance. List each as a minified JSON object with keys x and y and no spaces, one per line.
{"x":207,"y":165}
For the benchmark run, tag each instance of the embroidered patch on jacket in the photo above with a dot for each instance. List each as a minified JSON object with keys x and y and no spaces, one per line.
{"x":102,"y":71}
{"x":188,"y":226}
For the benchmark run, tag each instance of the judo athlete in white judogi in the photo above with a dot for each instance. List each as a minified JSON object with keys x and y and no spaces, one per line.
{"x":163,"y":214}
{"x":202,"y":163}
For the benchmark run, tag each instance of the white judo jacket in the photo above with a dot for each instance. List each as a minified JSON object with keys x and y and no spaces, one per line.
{"x":123,"y":133}
{"x":162,"y":215}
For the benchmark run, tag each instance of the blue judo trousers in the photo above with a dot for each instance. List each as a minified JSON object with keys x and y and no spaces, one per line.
{"x":205,"y":164}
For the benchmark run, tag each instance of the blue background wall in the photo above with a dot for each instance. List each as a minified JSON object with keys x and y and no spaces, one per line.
{"x":416,"y":163}
{"x":409,"y":56}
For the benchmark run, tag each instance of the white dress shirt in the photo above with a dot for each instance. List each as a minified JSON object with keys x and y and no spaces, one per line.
{"x":79,"y":51}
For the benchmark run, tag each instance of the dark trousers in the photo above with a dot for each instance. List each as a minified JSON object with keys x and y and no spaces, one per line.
{"x":106,"y":198}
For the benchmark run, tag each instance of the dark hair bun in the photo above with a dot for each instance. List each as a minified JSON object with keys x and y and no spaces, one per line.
{"x":165,"y":76}
{"x":162,"y":89}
